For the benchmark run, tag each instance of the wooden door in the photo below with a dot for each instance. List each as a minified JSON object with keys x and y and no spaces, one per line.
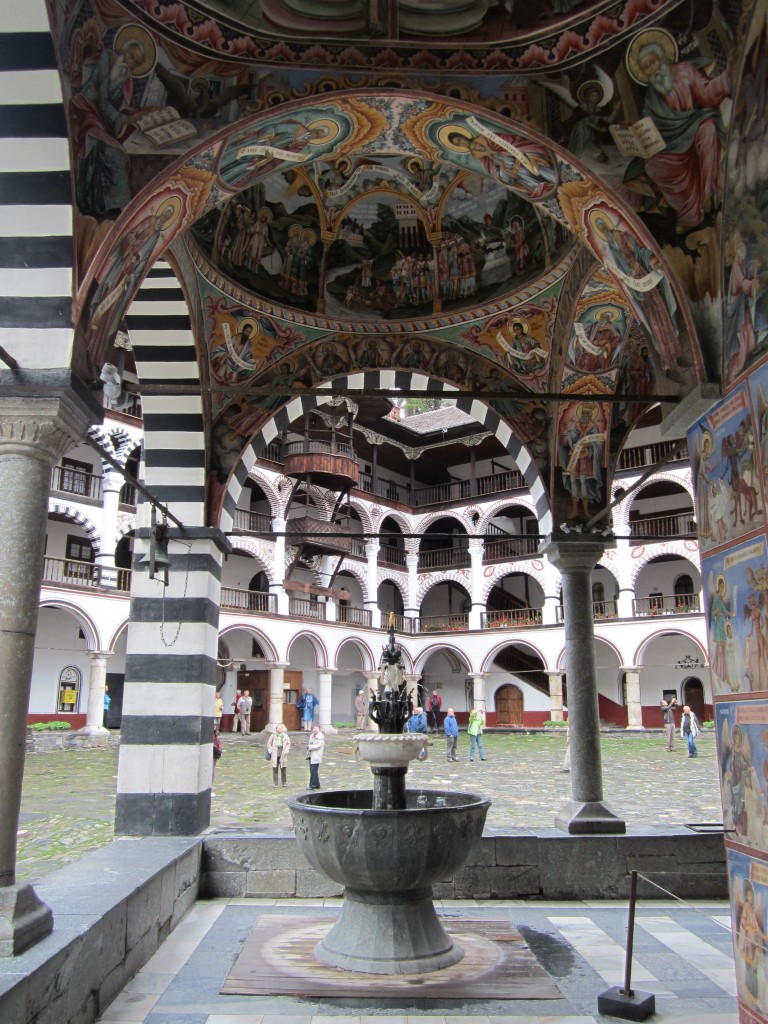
{"x":693,"y":696}
{"x":292,"y":687}
{"x":509,"y":705}
{"x":257,"y":681}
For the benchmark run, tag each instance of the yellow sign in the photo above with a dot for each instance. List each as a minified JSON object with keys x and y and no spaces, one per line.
{"x":69,"y":696}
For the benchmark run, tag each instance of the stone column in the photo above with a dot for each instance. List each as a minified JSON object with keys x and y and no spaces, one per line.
{"x":478,"y":690}
{"x":412,"y":686}
{"x":476,"y":549}
{"x":586,"y":813}
{"x":372,"y":680}
{"x":110,"y":485}
{"x":34,"y":434}
{"x":94,"y":718}
{"x":325,"y":677}
{"x":634,"y":705}
{"x":411,"y":611}
{"x":624,"y":606}
{"x":372,"y":603}
{"x":276,"y":587}
{"x":556,"y":696}
{"x":276,"y":685}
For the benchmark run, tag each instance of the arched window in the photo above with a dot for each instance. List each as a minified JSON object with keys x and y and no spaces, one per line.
{"x":70,"y":683}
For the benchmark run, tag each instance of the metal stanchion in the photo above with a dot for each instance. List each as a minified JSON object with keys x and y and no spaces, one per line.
{"x":624,"y":1002}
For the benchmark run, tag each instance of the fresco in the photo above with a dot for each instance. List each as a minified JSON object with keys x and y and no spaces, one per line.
{"x":726,"y":481}
{"x":736,"y":597}
{"x":742,"y":731}
{"x":406,"y":240}
{"x":582,"y":436}
{"x":748,"y":877}
{"x":758,"y":389}
{"x":746,"y":249}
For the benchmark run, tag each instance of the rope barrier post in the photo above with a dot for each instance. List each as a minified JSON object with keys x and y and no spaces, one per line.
{"x":623,"y":1002}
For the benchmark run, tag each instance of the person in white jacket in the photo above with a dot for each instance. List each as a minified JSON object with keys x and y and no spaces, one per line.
{"x":315,"y":756}
{"x":689,"y":730}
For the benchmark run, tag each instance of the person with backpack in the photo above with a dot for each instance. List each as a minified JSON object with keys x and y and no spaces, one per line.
{"x":435,"y":704}
{"x":244,"y":706}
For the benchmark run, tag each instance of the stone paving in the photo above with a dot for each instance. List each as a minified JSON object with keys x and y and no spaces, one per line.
{"x":69,"y":795}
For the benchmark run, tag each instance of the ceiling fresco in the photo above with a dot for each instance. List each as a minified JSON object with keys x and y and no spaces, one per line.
{"x":503,"y":207}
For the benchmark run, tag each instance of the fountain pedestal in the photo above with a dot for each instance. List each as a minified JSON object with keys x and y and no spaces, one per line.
{"x":387,"y":846}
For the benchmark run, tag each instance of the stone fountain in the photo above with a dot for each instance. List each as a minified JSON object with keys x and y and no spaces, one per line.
{"x":387,"y":845}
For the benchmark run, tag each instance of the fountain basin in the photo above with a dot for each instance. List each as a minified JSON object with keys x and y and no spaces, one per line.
{"x":387,"y":860}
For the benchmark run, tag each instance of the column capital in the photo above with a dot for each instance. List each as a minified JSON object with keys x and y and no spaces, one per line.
{"x":554,"y":671}
{"x":100,"y":654}
{"x":576,"y":551}
{"x":327,"y":671}
{"x":45,"y":427}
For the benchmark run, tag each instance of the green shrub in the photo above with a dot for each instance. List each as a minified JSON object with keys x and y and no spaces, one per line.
{"x":709,"y":724}
{"x":551,"y":724}
{"x":343,"y":725}
{"x":56,"y":726}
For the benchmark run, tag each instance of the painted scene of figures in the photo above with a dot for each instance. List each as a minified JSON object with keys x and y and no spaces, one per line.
{"x":726,"y":473}
{"x":736,"y":597}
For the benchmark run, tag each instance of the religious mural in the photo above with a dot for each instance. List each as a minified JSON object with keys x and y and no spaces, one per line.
{"x":741,"y":725}
{"x":726,"y":473}
{"x":748,"y":878}
{"x":746,"y":250}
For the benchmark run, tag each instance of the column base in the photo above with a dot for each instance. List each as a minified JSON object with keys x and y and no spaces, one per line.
{"x":24,"y":919}
{"x":96,"y":732}
{"x":587,"y":819}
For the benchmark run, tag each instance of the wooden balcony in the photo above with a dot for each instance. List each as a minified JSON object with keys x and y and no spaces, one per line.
{"x":251,"y":522}
{"x":391,"y":555}
{"x":354,"y":616}
{"x":252,"y":601}
{"x":444,"y":558}
{"x":511,"y":618}
{"x":666,"y":604}
{"x":674,"y":526}
{"x":600,"y":610}
{"x":69,"y":572}
{"x":331,"y":464}
{"x":453,"y":623}
{"x":300,"y":608}
{"x":67,"y":480}
{"x":508,"y":548}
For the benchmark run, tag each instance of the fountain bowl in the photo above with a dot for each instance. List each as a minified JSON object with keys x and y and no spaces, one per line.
{"x":387,"y":861}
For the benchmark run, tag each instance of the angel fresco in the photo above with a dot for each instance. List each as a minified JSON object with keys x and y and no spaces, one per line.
{"x":755,"y":612}
{"x":720,"y":612}
{"x":591,"y":118}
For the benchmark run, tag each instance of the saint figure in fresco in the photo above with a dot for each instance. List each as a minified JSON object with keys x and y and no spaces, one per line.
{"x":683,"y":104}
{"x":102,"y":113}
{"x":581,"y":444}
{"x":639,"y":269}
{"x":743,"y":286}
{"x":595,"y":347}
{"x":707,"y":481}
{"x":719,"y":614}
{"x":750,"y":937}
{"x":523,"y":353}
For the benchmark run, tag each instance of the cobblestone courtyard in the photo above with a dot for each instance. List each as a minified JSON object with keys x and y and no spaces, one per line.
{"x":69,"y":796}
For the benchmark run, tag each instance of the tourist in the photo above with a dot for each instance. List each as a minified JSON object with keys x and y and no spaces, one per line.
{"x":278,"y":745}
{"x":361,"y":710}
{"x":668,"y":714}
{"x":435,"y":703}
{"x":244,"y":706}
{"x":475,"y":730}
{"x":418,"y":721}
{"x":235,"y":714}
{"x":218,"y":711}
{"x":307,"y":704}
{"x":315,"y":756}
{"x":689,"y":730}
{"x":107,"y":702}
{"x":451,"y":727}
{"x":217,"y":751}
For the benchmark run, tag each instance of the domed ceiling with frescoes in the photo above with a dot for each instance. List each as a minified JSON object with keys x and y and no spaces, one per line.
{"x":510,"y":201}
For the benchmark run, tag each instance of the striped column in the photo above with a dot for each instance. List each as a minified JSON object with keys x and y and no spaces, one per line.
{"x":36,"y":248}
{"x":166,"y":758}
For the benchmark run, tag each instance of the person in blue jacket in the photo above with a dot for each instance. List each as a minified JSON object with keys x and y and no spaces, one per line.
{"x":451,"y":727}
{"x":418,"y":721}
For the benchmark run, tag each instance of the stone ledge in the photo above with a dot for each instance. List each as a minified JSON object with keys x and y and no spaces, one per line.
{"x":112,"y":909}
{"x":507,"y":864}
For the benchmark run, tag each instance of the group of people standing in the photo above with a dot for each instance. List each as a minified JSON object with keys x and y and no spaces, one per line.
{"x":475,"y":728}
{"x":690,"y":727}
{"x":278,"y":748}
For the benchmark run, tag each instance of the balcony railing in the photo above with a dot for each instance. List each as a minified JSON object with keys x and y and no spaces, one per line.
{"x":301,"y":608}
{"x":70,"y":573}
{"x":444,"y":558}
{"x":679,"y":524}
{"x":308,"y":446}
{"x":248,"y":600}
{"x":357,"y":547}
{"x":666,"y":604}
{"x":76,"y":481}
{"x":511,"y":618}
{"x":510,"y":547}
{"x":647,"y":455}
{"x":391,"y":555}
{"x":251,"y":522}
{"x":400,"y":622}
{"x":354,"y":616}
{"x":389,"y":489}
{"x":600,"y":610}
{"x":128,"y":496}
{"x":442,"y":623}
